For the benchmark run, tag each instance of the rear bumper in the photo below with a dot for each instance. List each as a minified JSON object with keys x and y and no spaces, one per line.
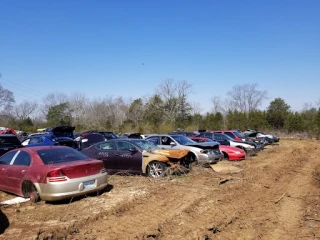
{"x":55,"y":191}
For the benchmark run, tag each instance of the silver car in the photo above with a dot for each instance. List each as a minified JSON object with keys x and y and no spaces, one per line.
{"x":207,"y":152}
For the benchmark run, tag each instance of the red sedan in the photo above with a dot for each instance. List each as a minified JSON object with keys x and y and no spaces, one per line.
{"x":229,"y":153}
{"x":50,"y":173}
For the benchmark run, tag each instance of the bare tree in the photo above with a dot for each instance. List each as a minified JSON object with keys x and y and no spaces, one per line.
{"x":24,"y":110}
{"x":196,"y":108}
{"x":247,"y":97}
{"x":52,"y":99}
{"x":307,"y":106}
{"x":217,"y":104}
{"x":78,"y":104}
{"x":318,"y":103}
{"x":174,"y":96}
{"x":105,"y":114}
{"x":6,"y":99}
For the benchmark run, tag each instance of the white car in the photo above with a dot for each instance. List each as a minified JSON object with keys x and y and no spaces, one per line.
{"x":206,"y":152}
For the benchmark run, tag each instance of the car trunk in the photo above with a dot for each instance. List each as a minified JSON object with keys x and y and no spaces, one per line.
{"x":66,"y":141}
{"x":63,"y":131}
{"x":80,"y":168}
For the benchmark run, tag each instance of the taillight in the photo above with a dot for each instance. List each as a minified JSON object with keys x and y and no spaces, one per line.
{"x":56,"y":176}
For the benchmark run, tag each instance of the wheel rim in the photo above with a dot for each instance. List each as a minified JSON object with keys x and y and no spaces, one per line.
{"x":156,"y":170}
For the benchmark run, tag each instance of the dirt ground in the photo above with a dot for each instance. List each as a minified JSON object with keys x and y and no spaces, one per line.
{"x":275,"y":196}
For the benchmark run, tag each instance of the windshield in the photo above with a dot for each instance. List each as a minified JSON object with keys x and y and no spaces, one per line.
{"x":146,"y":145}
{"x":183,"y":140}
{"x":239,"y":135}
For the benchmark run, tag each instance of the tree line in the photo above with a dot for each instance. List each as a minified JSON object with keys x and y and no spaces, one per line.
{"x":167,"y":109}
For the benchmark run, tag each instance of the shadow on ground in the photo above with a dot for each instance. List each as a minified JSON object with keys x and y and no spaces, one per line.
{"x":4,"y":222}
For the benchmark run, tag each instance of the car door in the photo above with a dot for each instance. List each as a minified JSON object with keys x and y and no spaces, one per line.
{"x":166,"y":142}
{"x":5,"y":162}
{"x":106,"y":151}
{"x":129,"y":158}
{"x":18,"y":171}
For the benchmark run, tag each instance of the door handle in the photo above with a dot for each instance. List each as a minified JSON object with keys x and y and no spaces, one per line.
{"x":3,"y":169}
{"x":23,"y":171}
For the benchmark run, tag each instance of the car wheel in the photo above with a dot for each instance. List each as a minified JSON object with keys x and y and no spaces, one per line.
{"x":225,"y":156}
{"x":30,"y":191}
{"x":156,"y":169}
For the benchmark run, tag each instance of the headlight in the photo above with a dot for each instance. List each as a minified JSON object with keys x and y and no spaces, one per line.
{"x":236,"y":152}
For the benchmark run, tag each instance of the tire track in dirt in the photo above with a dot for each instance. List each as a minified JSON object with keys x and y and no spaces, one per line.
{"x":194,"y":206}
{"x":141,"y":218}
{"x":257,"y":214}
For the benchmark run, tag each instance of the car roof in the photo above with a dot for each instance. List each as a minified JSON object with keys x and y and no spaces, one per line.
{"x":164,"y":135}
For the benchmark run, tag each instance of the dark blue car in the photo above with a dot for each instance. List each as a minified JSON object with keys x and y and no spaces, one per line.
{"x":62,"y":135}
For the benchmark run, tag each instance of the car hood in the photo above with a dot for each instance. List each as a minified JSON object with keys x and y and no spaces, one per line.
{"x":246,"y":142}
{"x":204,"y":145}
{"x":63,"y":131}
{"x":229,"y":148}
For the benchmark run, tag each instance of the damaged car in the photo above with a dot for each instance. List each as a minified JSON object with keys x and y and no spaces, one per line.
{"x":199,"y":152}
{"x":135,"y":156}
{"x":229,"y":153}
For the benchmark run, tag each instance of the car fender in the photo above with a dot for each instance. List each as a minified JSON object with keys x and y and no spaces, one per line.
{"x":149,"y":157}
{"x":162,"y":155}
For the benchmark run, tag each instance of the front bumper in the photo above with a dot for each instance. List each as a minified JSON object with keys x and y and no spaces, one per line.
{"x":237,"y":157}
{"x":210,"y":158}
{"x":54,"y":191}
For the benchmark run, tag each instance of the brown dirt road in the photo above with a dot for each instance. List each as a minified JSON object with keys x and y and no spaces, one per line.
{"x":275,"y":196}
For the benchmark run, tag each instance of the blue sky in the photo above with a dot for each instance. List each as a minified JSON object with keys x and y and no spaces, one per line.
{"x":127,"y":48}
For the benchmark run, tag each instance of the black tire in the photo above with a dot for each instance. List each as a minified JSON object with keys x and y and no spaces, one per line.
{"x":156,"y":169}
{"x":242,"y":148}
{"x":30,"y":191}
{"x":191,"y":161}
{"x":225,"y":156}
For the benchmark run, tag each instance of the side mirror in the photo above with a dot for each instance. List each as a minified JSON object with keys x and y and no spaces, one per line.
{"x":133,"y":150}
{"x":172,"y":143}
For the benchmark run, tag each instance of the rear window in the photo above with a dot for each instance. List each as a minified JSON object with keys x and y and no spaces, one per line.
{"x":60,"y":155}
{"x":9,"y":140}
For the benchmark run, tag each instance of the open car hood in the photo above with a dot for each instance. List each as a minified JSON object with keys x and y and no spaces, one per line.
{"x":63,"y":131}
{"x":204,"y":145}
{"x":173,"y":153}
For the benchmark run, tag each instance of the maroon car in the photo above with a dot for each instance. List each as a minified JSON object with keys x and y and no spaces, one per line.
{"x":136,"y":156}
{"x":50,"y":173}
